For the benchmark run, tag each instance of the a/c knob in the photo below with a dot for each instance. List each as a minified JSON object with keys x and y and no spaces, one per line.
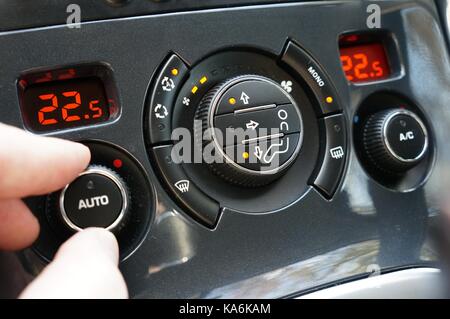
{"x":395,"y":140}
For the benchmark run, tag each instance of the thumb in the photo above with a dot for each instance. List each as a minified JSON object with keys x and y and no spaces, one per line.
{"x":85,"y":266}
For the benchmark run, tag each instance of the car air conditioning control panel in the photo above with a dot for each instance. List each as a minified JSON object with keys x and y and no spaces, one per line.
{"x":255,"y":124}
{"x":229,"y":156}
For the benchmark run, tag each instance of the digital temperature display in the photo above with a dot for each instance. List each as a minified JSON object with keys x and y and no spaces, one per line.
{"x":63,"y":104}
{"x":365,"y":62}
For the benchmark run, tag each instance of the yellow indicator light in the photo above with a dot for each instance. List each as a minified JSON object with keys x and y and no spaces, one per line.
{"x":174,"y":71}
{"x":232,"y":100}
{"x":245,"y":155}
{"x":194,"y":89}
{"x":203,"y":80}
{"x":329,"y":99}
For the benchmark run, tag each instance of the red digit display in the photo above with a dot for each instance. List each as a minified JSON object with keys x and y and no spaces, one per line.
{"x":61,"y":104}
{"x":69,"y":106}
{"x":47,"y":109}
{"x":365,"y":62}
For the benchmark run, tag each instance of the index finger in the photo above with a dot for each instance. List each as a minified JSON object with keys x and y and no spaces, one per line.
{"x":35,"y":165}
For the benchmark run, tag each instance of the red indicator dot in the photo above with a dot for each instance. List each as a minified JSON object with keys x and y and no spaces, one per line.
{"x":352,"y":38}
{"x":86,"y":117}
{"x":117,"y":163}
{"x":23,"y":83}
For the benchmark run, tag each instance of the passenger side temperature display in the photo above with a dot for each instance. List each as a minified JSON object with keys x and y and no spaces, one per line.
{"x":364,"y":62}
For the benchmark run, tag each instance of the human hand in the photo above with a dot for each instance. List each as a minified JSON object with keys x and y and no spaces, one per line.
{"x":86,"y":265}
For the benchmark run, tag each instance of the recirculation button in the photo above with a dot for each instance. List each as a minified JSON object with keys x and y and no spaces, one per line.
{"x":163,"y":98}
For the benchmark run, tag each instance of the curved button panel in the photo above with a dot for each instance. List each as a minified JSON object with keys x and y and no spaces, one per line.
{"x":327,"y":180}
{"x":163,"y":97}
{"x":315,"y":76}
{"x":201,"y":206}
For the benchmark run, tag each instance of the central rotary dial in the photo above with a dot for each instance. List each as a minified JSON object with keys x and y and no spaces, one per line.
{"x":254,"y":127}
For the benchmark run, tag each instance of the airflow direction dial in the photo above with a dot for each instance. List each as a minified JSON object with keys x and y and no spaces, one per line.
{"x":255,"y":127}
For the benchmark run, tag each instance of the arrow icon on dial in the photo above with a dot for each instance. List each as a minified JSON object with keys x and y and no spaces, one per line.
{"x":258,"y":152}
{"x":252,"y":125}
{"x":244,"y":98}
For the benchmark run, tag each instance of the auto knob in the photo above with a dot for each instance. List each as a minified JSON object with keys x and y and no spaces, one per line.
{"x":395,"y":140}
{"x":98,"y":197}
{"x":253,"y":127}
